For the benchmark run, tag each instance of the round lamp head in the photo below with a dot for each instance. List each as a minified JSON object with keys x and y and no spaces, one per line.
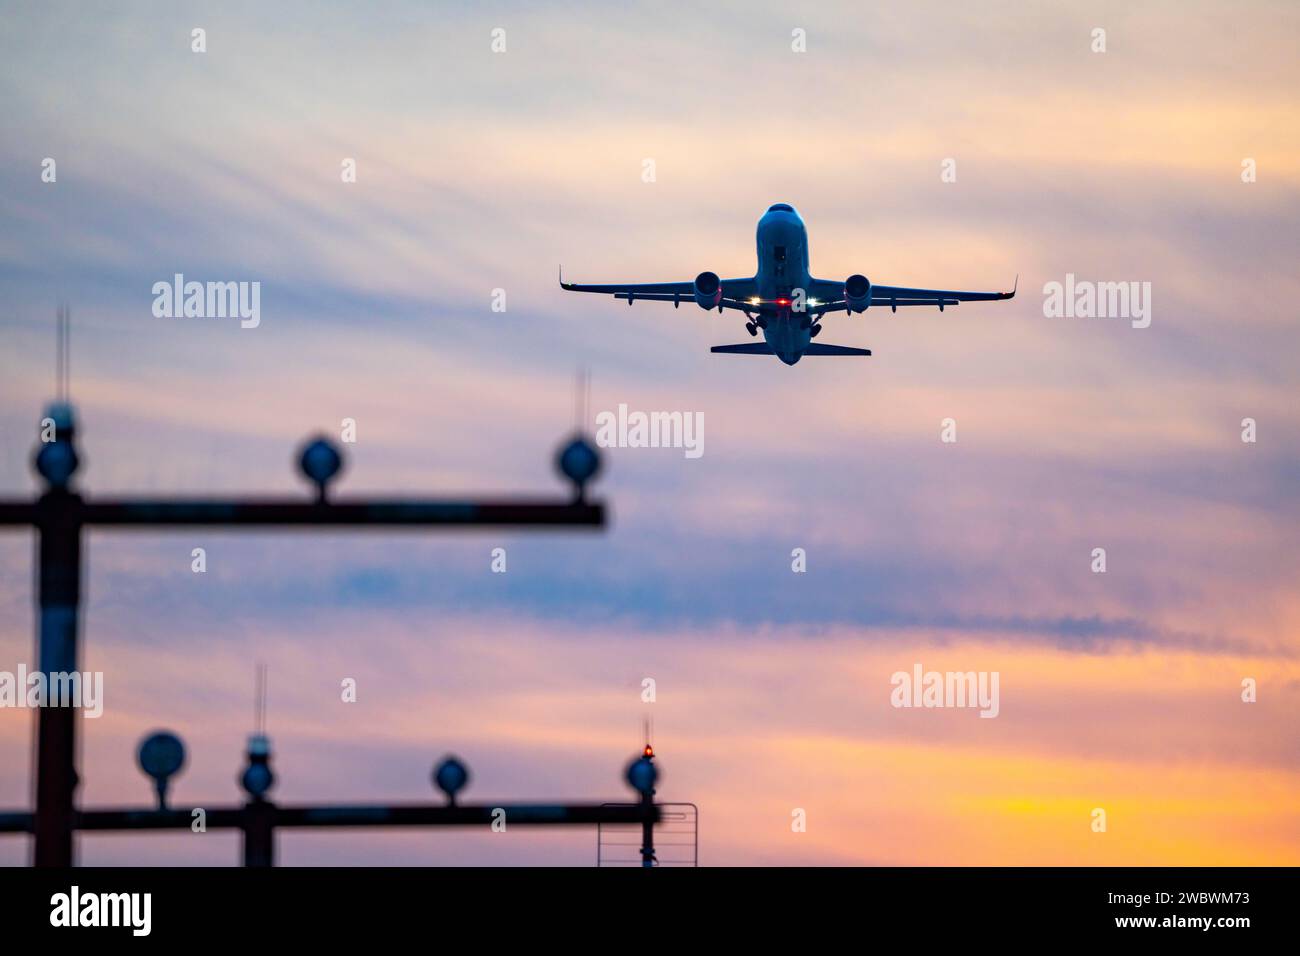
{"x":579,"y":462}
{"x":320,"y":462}
{"x":56,"y":462}
{"x":451,"y":776}
{"x":258,"y":779}
{"x":56,"y":458}
{"x":161,"y":756}
{"x":642,"y":774}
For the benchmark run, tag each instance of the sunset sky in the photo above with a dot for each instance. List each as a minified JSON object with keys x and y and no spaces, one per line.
{"x":479,"y":171}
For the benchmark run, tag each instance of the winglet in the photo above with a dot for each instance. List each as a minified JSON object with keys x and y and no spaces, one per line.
{"x":561,"y":277}
{"x":1014,"y":287}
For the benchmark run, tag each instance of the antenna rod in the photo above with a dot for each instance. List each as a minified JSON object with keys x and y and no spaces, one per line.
{"x":67,"y":351}
{"x":581,"y":399}
{"x":62,"y":350}
{"x":58,"y":351}
{"x":259,"y":701}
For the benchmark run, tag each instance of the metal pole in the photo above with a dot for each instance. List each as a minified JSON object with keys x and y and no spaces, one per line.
{"x":259,"y":834}
{"x":59,"y":596}
{"x":648,"y":831}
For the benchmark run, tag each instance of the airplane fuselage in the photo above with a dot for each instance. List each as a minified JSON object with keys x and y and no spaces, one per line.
{"x":782,"y":241}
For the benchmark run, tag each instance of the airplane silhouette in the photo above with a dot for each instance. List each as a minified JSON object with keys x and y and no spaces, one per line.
{"x":782,"y":298}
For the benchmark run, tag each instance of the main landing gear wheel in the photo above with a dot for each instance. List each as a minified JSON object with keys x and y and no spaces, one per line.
{"x":815,"y":330}
{"x":751,"y":328}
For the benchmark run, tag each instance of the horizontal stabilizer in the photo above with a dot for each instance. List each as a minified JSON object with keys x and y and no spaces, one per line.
{"x":816,"y":348}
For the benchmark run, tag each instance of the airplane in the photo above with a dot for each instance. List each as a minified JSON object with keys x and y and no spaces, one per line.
{"x":783,"y":299}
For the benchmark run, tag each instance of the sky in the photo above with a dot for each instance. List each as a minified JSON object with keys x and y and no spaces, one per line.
{"x":479,"y":171}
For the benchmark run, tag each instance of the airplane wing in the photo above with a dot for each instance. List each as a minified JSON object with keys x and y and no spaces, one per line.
{"x":886,"y":294}
{"x":830,"y":296}
{"x":734,"y":291}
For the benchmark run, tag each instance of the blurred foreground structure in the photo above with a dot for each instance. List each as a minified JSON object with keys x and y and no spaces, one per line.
{"x":60,"y":515}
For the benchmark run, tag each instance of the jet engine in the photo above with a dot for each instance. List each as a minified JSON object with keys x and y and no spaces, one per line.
{"x":708,"y":290}
{"x":857,"y":293}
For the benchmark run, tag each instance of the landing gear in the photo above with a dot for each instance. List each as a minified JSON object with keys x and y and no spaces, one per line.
{"x":751,"y":328}
{"x":815,"y":330}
